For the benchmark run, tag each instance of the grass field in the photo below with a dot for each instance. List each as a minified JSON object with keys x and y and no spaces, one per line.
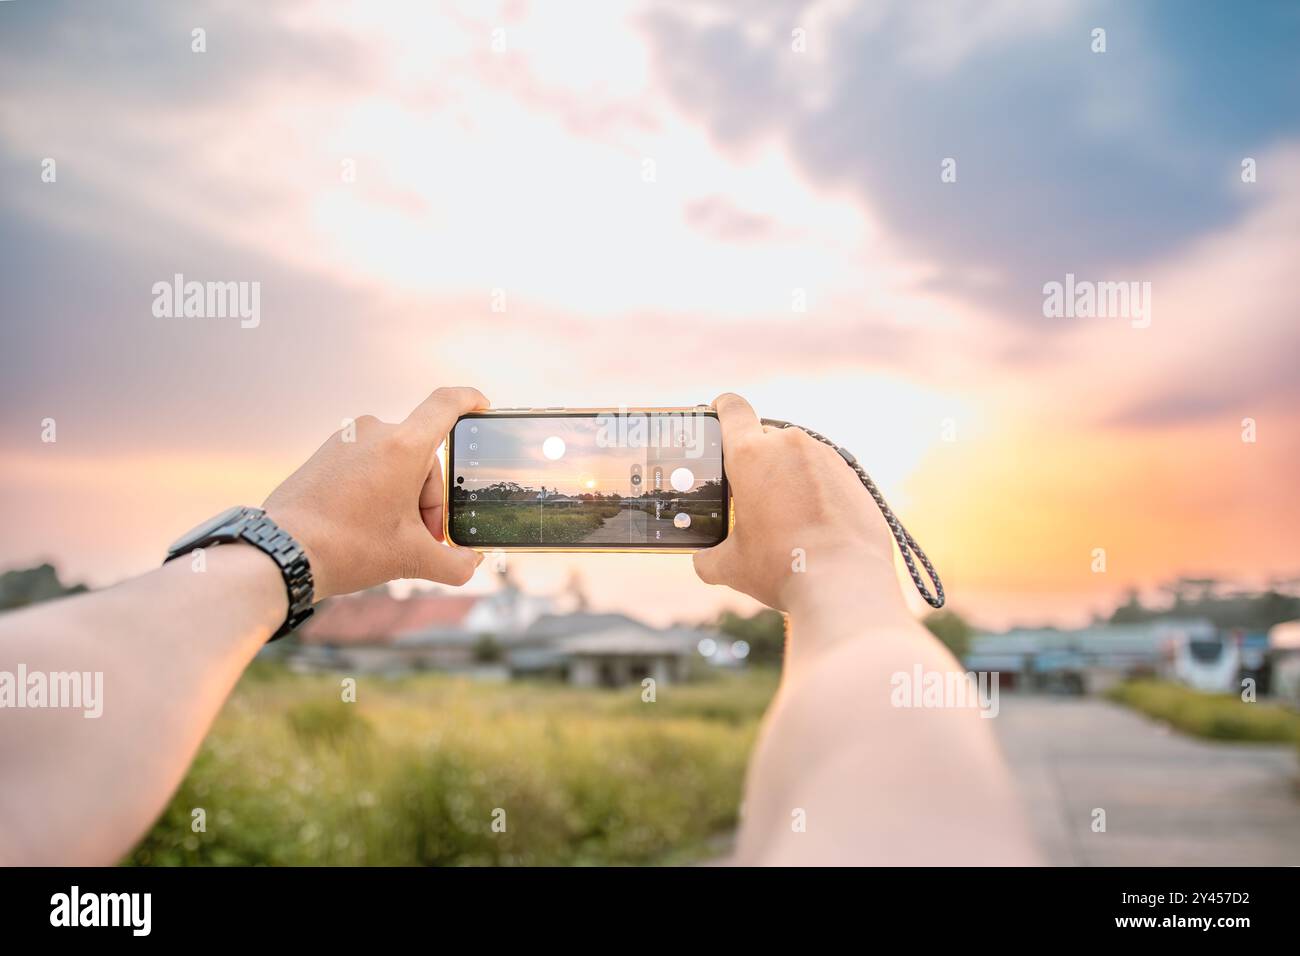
{"x":1214,"y":716}
{"x":416,"y":771}
{"x":530,"y":524}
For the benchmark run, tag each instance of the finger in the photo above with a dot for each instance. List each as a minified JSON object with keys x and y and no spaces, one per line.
{"x":713,"y":564}
{"x":737,"y":419}
{"x":435,"y":415}
{"x":430,"y":500}
{"x":443,"y":564}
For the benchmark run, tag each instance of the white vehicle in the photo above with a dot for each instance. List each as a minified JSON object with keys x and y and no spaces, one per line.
{"x":1204,"y":659}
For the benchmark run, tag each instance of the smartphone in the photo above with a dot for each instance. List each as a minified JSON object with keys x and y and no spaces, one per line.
{"x":591,"y":479}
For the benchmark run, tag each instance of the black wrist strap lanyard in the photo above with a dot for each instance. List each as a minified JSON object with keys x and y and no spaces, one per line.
{"x":911,"y":551}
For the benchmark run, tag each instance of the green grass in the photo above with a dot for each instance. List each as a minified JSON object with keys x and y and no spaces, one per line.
{"x":1213,"y":716}
{"x":530,"y":524}
{"x":412,"y":773}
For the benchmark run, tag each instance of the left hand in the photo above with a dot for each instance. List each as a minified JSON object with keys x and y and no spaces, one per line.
{"x":367,"y":506}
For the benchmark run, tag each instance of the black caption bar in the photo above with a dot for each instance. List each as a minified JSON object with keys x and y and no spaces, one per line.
{"x":334,"y":905}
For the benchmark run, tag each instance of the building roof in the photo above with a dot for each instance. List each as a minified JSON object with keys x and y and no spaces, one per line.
{"x":638,"y":640}
{"x":581,"y":622}
{"x":376,"y":617}
{"x":1004,"y":663}
{"x":1145,"y":638}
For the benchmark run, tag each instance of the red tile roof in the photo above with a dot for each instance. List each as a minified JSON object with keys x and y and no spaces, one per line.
{"x":375,"y":618}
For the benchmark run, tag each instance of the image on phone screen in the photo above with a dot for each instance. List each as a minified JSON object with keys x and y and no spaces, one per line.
{"x":587,"y":480}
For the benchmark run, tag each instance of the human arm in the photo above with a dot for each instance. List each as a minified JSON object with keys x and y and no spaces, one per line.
{"x":840,"y":775}
{"x":171,"y":644}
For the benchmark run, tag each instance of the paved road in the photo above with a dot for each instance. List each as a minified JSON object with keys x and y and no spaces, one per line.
{"x":634,"y":525}
{"x":1169,"y":799}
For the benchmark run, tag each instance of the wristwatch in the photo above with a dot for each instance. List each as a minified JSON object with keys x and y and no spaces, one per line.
{"x":252,"y":526}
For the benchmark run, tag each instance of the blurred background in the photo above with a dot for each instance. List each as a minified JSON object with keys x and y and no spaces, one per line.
{"x":847,"y":212}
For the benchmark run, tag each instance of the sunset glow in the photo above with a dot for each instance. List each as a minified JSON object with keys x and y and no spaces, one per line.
{"x":594,"y":214}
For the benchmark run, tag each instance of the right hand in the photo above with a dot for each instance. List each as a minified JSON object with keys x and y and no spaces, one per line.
{"x":793,"y":492}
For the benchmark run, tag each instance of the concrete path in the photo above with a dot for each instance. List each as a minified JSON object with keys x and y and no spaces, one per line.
{"x":627,"y":525}
{"x":1169,"y":799}
{"x":634,"y":525}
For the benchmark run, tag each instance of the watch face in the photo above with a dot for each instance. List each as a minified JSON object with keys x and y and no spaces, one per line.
{"x":201,"y":531}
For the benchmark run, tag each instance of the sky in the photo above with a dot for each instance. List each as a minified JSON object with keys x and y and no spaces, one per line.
{"x":848,"y":213}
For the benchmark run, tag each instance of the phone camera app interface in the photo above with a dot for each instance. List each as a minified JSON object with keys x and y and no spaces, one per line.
{"x":588,"y":480}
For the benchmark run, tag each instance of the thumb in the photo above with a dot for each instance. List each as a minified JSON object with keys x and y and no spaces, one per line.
{"x":434,"y":416}
{"x":713,"y":564}
{"x":441,"y":563}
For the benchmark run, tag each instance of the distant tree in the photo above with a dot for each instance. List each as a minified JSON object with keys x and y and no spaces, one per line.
{"x":764,"y":631}
{"x":1131,"y":611}
{"x":487,"y":650}
{"x":497,"y":490}
{"x":33,"y":585}
{"x":1272,"y":608}
{"x":1209,"y":599}
{"x":952,"y":629}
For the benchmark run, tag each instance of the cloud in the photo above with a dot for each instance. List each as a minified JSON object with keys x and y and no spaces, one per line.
{"x":717,"y":217}
{"x":1067,"y":160}
{"x":1224,"y":337}
{"x":141,"y":52}
{"x":778,"y":178}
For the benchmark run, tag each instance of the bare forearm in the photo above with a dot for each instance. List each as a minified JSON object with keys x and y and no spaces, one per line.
{"x":365,"y":508}
{"x":170,"y":646}
{"x":841,"y":775}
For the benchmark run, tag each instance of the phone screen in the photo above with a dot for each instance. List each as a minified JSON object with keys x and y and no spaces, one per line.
{"x":587,"y":480}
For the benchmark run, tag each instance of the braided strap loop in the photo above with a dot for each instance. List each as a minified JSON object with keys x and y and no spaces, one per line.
{"x":907,"y":545}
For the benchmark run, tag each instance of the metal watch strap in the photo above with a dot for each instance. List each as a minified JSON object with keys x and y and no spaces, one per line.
{"x":254,"y":527}
{"x":265,"y":534}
